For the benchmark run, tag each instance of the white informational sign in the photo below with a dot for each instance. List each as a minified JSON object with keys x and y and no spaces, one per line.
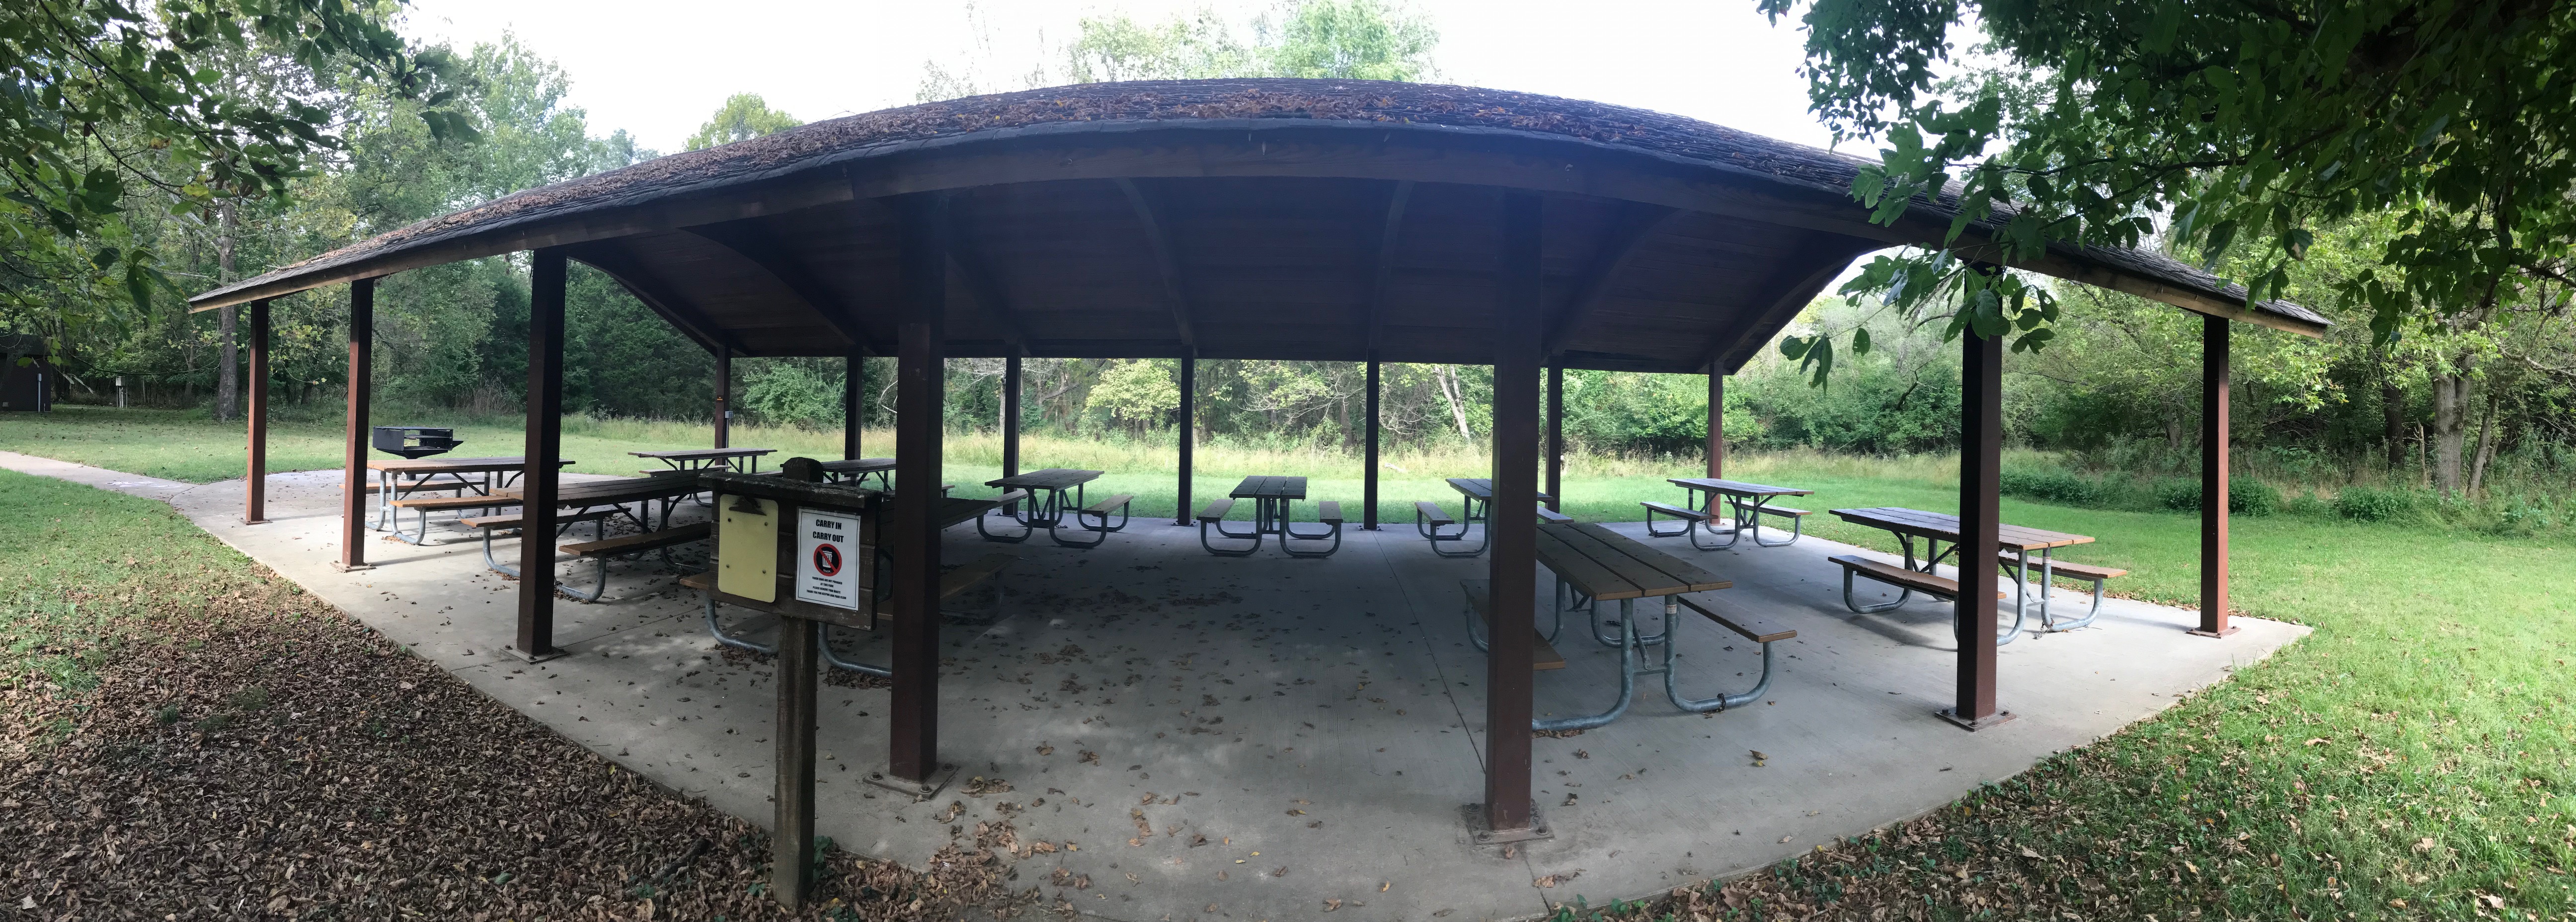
{"x":827,"y":564}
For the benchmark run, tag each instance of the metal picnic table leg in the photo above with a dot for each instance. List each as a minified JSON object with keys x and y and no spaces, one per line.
{"x":1628,"y":655}
{"x":1672,"y":690}
{"x":1733,"y":534}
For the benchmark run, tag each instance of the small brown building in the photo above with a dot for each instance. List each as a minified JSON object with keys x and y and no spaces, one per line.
{"x":27,"y":374}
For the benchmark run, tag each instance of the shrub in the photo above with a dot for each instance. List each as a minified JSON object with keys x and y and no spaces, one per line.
{"x":2371,"y":504}
{"x":2050,"y":486}
{"x":2245,"y":496}
{"x":2305,"y":504}
{"x":2252,"y":497}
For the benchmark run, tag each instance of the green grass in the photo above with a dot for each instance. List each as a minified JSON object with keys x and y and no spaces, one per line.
{"x":2410,"y":760}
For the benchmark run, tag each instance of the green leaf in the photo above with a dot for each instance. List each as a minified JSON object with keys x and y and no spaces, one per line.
{"x":1860,"y":341}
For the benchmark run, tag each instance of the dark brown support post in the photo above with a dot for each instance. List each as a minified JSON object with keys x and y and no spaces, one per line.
{"x":1513,"y":522}
{"x":724,"y":395}
{"x":1011,"y":416}
{"x":255,"y":510}
{"x":913,"y":746}
{"x":2214,"y":435}
{"x":544,"y":443}
{"x":1556,"y":436}
{"x":1981,"y":447}
{"x":855,"y":363}
{"x":1368,"y":477}
{"x":1716,"y":422}
{"x":791,"y":847}
{"x":1189,"y":433}
{"x":362,"y":372}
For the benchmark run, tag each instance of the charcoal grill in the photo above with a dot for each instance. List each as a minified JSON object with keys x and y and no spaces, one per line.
{"x":416,"y":441}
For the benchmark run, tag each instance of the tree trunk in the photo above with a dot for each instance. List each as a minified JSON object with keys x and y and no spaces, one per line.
{"x":1457,"y":404}
{"x":2450,"y":426}
{"x":228,"y":375}
{"x":2392,"y":408}
{"x":2487,"y":439}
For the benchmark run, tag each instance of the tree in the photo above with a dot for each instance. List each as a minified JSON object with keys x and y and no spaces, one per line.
{"x":743,"y":117}
{"x":2214,"y":124}
{"x":177,"y":105}
{"x":1138,"y":392}
{"x":1349,"y":40}
{"x":1343,"y":39}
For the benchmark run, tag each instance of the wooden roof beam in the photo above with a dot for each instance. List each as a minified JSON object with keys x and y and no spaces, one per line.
{"x":658,"y":297}
{"x":1796,"y":286}
{"x":752,"y":241}
{"x":1382,"y":267}
{"x":1166,"y":260}
{"x":1635,"y":222}
{"x":986,"y":288}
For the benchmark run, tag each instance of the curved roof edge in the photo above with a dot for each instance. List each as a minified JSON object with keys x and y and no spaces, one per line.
{"x":1253,"y":106}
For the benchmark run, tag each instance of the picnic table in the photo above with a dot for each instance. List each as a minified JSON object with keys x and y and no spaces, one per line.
{"x":397,"y":478}
{"x":860,"y":469}
{"x":698,"y":459}
{"x":1048,"y":505}
{"x":1748,"y":501}
{"x":596,"y":501}
{"x":1272,"y":497}
{"x":1476,"y":505}
{"x":2015,"y":541}
{"x":1603,"y":565}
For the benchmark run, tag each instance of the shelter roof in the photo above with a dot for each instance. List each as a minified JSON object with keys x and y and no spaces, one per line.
{"x":1234,"y":218}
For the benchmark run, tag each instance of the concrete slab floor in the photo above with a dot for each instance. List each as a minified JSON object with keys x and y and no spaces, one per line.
{"x":1319,"y":722}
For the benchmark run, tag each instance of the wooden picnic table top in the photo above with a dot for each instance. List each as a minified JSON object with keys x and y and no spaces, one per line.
{"x":452,"y":465}
{"x":954,"y":510}
{"x":1941,"y":527}
{"x":1269,"y":487}
{"x":1605,"y":564}
{"x":702,"y":454}
{"x":1053,"y":478}
{"x":1735,"y":487}
{"x":603,"y":492}
{"x":858,"y":465}
{"x":1481,"y":488}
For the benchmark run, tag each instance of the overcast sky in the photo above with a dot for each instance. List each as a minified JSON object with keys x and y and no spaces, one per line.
{"x":659,"y":68}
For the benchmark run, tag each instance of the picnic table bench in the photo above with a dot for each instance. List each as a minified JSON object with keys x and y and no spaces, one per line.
{"x":1045,"y":492}
{"x":1273,"y":510}
{"x":398,"y":478}
{"x":2015,"y":546}
{"x":609,"y":497}
{"x":1748,"y":501}
{"x":1476,"y":506}
{"x":1602,"y":565}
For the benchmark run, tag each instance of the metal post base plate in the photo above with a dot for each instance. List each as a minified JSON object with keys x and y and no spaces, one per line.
{"x":1972,"y":726}
{"x":1479,"y":832}
{"x":345,"y":568}
{"x":917,"y":790}
{"x":2196,"y":632}
{"x":524,"y":657}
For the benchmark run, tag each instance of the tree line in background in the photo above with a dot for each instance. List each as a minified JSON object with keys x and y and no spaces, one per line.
{"x":2451,"y":407}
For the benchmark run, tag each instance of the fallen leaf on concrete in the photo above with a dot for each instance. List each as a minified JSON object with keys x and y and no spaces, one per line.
{"x":1331,"y":905}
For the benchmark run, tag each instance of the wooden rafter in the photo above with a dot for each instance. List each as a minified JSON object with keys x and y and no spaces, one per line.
{"x":1166,"y":260}
{"x":1636,"y":221}
{"x":1382,"y":268}
{"x":630,"y":275}
{"x":753,"y":241}
{"x":984,"y":285}
{"x":1798,"y":286}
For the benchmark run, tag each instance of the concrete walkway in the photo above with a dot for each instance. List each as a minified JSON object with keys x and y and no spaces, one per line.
{"x":1246,"y":739}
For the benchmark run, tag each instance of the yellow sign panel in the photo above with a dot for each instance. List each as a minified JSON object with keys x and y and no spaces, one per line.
{"x":747,"y":548}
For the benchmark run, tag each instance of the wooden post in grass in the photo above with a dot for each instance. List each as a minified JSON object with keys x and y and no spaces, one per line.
{"x":1512,"y":525}
{"x":853,"y":364}
{"x":544,"y":444}
{"x":2214,"y":383}
{"x":1556,"y":436}
{"x":1011,"y":416}
{"x":1368,"y":473}
{"x":921,"y":331}
{"x":1981,"y":445}
{"x":1189,"y":433}
{"x":353,"y":480}
{"x":1716,"y":422}
{"x":724,"y":395}
{"x":255,"y":506}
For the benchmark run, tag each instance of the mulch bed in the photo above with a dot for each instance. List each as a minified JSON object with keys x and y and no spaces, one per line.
{"x":252,"y":753}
